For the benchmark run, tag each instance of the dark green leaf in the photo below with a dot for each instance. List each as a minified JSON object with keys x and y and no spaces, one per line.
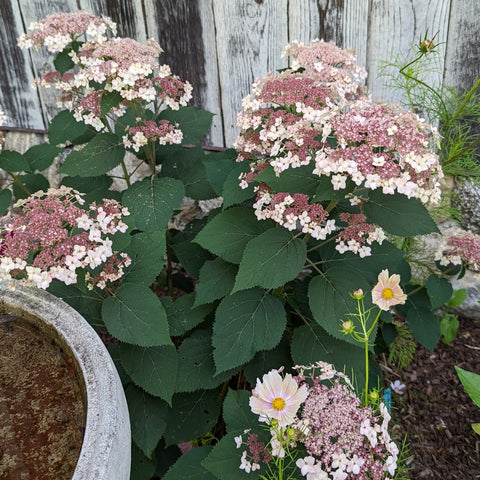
{"x":182,"y":316}
{"x":5,"y":200}
{"x":325,"y":190}
{"x":102,"y":153}
{"x":424,"y":326}
{"x":148,"y":418}
{"x":40,"y":157}
{"x":216,"y":280}
{"x":142,"y":468}
{"x":152,"y":202}
{"x":191,"y":256}
{"x":194,"y":123}
{"x":146,"y":251}
{"x":33,"y":182}
{"x":232,"y":193}
{"x":271,"y":260}
{"x":236,"y":410}
{"x":398,"y":214}
{"x":311,"y":344}
{"x":293,"y":180}
{"x":63,"y":61}
{"x":11,"y":161}
{"x":192,"y":415}
{"x":227,"y":234}
{"x":64,"y":128}
{"x":134,"y":314}
{"x":218,"y":166}
{"x":439,"y":290}
{"x":189,"y":466}
{"x":196,"y":369}
{"x":246,"y":323}
{"x":331,"y":301}
{"x":188,"y":167}
{"x":154,"y":369}
{"x":108,"y":101}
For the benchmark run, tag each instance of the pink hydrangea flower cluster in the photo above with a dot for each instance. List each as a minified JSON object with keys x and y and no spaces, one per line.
{"x":52,"y":237}
{"x":319,"y":410}
{"x":103,"y":66}
{"x":58,"y":30}
{"x":316,"y":114}
{"x":458,"y":247}
{"x":162,"y":132}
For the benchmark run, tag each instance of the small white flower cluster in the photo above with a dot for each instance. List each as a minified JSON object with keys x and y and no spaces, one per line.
{"x":360,"y":249}
{"x":266,"y":208}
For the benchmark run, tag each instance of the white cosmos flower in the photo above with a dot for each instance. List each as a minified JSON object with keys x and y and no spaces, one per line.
{"x":277,"y":398}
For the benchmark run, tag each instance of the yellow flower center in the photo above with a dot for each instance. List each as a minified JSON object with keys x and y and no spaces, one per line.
{"x":278,"y":403}
{"x":387,"y":293}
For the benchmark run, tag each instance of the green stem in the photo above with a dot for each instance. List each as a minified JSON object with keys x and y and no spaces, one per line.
{"x":17,"y":181}
{"x":463,"y":151}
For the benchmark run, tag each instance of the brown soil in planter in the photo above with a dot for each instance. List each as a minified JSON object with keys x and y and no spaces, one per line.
{"x":42,"y":414}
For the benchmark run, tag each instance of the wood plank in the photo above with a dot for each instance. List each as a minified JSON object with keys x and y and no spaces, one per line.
{"x":17,"y":98}
{"x":394,"y":27}
{"x":127,"y":14}
{"x":185,"y":31}
{"x":42,"y":60}
{"x":251,"y":36}
{"x":355,"y":28}
{"x":311,"y":19}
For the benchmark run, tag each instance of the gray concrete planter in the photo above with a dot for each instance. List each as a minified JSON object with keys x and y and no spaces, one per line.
{"x":105,"y":452}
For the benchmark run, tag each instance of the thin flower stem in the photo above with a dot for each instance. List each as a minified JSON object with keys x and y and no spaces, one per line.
{"x":18,"y":182}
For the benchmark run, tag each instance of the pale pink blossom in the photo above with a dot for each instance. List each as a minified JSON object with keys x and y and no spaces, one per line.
{"x":387,"y":292}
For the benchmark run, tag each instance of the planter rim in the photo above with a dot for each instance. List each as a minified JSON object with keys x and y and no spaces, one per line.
{"x":106,"y":450}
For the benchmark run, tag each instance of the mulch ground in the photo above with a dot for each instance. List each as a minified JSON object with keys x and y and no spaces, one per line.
{"x":436,"y":413}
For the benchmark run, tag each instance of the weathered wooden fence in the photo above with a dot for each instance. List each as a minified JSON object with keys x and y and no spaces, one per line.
{"x":222,"y":45}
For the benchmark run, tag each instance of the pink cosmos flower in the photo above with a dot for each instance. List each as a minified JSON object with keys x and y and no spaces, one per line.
{"x":277,"y":398}
{"x":387,"y":291}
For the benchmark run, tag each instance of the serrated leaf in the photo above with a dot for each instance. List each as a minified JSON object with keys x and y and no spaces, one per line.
{"x":152,"y":202}
{"x":182,"y":315}
{"x":196,"y":369}
{"x":330,"y":300}
{"x":148,"y":418}
{"x":267,"y":360}
{"x":246,"y":323}
{"x":192,"y":257}
{"x":33,"y":182}
{"x":192,"y":415}
{"x":102,"y":153}
{"x":134,"y":314}
{"x":218,"y":166}
{"x":216,"y":280}
{"x":40,"y":157}
{"x":63,"y":61}
{"x":311,"y":343}
{"x":439,"y":290}
{"x":271,"y":260}
{"x":471,"y":383}
{"x":146,"y":251}
{"x":5,"y":200}
{"x":142,"y":468}
{"x":188,"y":466}
{"x":154,"y":369}
{"x":194,"y":122}
{"x":64,"y":128}
{"x":108,"y":101}
{"x":227,"y":234}
{"x":292,"y":180}
{"x":325,"y":190}
{"x":424,"y":326}
{"x":187,"y":166}
{"x":236,"y":411}
{"x":12,"y":161}
{"x":224,"y":460}
{"x":398,"y":214}
{"x":232,"y":193}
